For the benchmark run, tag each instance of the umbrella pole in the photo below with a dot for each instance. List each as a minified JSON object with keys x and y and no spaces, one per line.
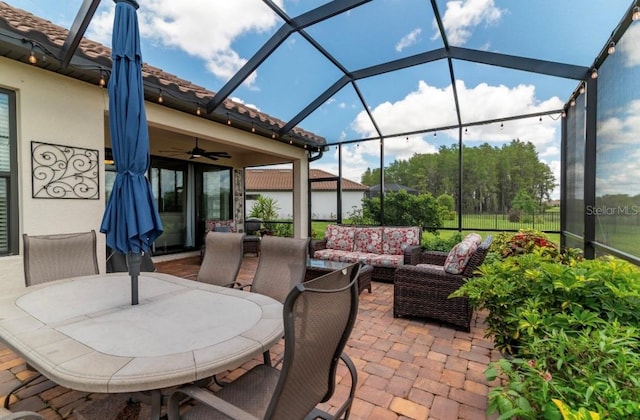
{"x":133,"y":262}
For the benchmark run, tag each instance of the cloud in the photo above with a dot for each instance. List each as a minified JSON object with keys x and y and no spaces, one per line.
{"x":619,"y":176}
{"x":353,"y":170}
{"x":196,"y":27}
{"x":620,"y":131}
{"x":462,"y":16}
{"x":480,"y":103}
{"x":408,"y":40}
{"x":629,"y":46}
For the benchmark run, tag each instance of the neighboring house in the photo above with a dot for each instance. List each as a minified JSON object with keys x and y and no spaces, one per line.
{"x":278,"y":185}
{"x":53,"y":115}
{"x":375,"y":190}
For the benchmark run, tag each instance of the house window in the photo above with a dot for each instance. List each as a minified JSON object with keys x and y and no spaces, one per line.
{"x":8,"y":175}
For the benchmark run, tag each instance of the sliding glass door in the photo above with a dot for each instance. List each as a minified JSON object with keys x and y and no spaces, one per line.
{"x":188,"y":194}
{"x":168,"y":180}
{"x":214,"y":200}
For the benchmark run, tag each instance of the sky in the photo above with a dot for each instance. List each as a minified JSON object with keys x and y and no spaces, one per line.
{"x":206,"y":42}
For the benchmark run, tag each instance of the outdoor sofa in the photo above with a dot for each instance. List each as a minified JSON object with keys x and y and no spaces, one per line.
{"x":385,"y":248}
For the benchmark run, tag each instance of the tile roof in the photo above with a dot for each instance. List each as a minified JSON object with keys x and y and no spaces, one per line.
{"x":177,"y":93}
{"x":282,"y":180}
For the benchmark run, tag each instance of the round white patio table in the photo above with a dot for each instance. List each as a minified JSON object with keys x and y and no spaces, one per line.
{"x":84,"y":334}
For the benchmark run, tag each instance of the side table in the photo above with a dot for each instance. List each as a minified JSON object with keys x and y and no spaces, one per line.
{"x":317,"y":268}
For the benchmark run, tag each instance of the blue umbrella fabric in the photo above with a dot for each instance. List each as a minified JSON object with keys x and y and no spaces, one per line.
{"x":131,"y":221}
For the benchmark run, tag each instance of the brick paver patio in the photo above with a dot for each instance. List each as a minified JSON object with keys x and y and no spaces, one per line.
{"x":408,"y":368}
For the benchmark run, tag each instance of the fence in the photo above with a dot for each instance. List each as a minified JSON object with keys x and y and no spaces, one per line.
{"x":546,"y":222}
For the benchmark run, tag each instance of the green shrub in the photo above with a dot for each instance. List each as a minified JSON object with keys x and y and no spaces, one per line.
{"x":438,"y":243}
{"x":572,"y":326}
{"x":404,"y":209}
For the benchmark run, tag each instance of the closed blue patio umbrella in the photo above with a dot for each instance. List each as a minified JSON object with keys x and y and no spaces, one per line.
{"x":131,"y":220}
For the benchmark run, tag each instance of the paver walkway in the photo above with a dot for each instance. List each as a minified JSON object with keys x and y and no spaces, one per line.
{"x":408,"y":368}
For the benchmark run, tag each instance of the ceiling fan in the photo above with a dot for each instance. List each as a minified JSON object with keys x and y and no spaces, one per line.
{"x":197,"y":152}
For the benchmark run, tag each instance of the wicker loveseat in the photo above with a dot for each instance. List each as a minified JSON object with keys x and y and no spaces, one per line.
{"x":423,"y":290}
{"x":385,"y":248}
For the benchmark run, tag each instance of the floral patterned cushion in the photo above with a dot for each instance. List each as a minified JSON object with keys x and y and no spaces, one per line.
{"x":213,"y":224}
{"x":339,"y":237}
{"x":459,"y":256}
{"x":396,"y":239}
{"x":368,"y":239}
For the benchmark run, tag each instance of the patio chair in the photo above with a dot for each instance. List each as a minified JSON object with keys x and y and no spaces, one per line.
{"x":423,"y":290}
{"x":282,"y":265}
{"x":318,"y":318}
{"x":19,"y":415}
{"x":222,"y":258}
{"x":54,"y":257}
{"x":252,"y":240}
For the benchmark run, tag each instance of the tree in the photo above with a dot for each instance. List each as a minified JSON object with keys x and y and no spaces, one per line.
{"x":371,"y":177}
{"x":404,"y":209}
{"x":524,"y":202}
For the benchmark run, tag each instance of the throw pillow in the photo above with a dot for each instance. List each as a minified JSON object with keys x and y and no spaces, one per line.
{"x":474,"y":237}
{"x":459,"y":256}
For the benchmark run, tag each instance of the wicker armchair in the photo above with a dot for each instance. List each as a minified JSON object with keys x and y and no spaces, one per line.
{"x":423,"y":291}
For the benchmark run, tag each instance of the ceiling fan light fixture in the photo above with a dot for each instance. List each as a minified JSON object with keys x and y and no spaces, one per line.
{"x":197,"y":152}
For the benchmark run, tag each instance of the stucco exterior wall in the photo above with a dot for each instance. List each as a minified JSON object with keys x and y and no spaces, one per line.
{"x":51,"y":108}
{"x":323,"y":203}
{"x":59,"y":110}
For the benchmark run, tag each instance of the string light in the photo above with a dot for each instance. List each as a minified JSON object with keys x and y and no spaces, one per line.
{"x":581,"y":88}
{"x":32,"y":57}
{"x":198,"y":111}
{"x":102,"y":81}
{"x":228,"y":119}
{"x":501,"y":126}
{"x":290,"y":141}
{"x":160,"y":98}
{"x":435,"y":133}
{"x":612,"y":48}
{"x":636,"y":13}
{"x":273,"y":134}
{"x":465,"y":130}
{"x":594,"y":74}
{"x":573,"y":102}
{"x":253,"y":127}
{"x":564,"y":114}
{"x":540,"y":119}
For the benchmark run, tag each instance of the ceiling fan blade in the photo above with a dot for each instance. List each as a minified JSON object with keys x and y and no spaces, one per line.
{"x":175,"y":149}
{"x":217,"y":154}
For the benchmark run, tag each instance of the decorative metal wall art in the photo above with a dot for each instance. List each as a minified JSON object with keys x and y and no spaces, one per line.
{"x":64,"y":172}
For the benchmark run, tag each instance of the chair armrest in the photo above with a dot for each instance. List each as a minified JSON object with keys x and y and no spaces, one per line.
{"x":428,"y":277}
{"x":316,"y":245}
{"x":434,"y":257}
{"x":206,"y":397}
{"x":346,"y":406}
{"x":412,"y":255}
